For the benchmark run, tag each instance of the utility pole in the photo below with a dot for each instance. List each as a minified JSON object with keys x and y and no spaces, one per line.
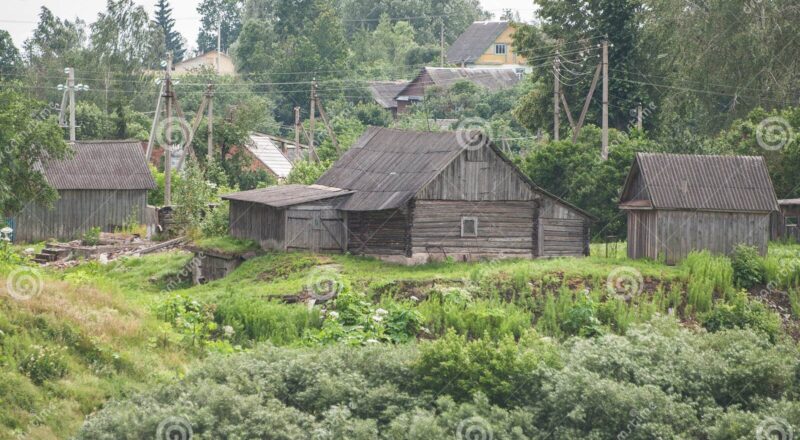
{"x":71,"y":91}
{"x":604,"y":153}
{"x":328,"y":125}
{"x":639,"y":117}
{"x":441,"y":43}
{"x":311,"y":152}
{"x":168,"y":147}
{"x":296,"y":132}
{"x":556,"y":97}
{"x":210,"y":98}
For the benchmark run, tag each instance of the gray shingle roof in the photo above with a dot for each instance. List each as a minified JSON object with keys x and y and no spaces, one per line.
{"x":287,"y":195}
{"x":387,"y":167}
{"x":111,"y":165}
{"x":383,"y":92}
{"x":493,"y":79}
{"x":474,"y":41}
{"x":717,"y":183}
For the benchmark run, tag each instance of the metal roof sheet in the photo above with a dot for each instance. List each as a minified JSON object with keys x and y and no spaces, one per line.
{"x":287,"y":195}
{"x":269,"y":154}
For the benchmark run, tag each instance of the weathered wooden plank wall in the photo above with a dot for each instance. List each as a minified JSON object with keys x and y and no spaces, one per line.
{"x":261,"y":223}
{"x":77,"y":211}
{"x":680,"y":232}
{"x":562,"y":231}
{"x":642,"y":234}
{"x":316,"y":228}
{"x":778,"y":229}
{"x":379,"y":232}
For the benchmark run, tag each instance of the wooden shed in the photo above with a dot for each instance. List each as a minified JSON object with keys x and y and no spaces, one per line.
{"x":785,"y":221}
{"x":416,"y":196}
{"x":677,"y":203}
{"x":290,"y":217}
{"x":104,"y":185}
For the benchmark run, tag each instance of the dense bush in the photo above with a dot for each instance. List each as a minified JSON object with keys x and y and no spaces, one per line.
{"x":748,"y":267}
{"x":741,"y":312}
{"x":659,"y":380}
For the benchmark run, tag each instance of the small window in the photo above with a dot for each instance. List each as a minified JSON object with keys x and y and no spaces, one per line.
{"x":500,"y":49}
{"x":791,"y":221}
{"x":469,"y":226}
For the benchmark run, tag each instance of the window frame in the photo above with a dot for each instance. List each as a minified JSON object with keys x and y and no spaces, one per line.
{"x":787,"y":223}
{"x":474,"y":234}
{"x":497,"y":46}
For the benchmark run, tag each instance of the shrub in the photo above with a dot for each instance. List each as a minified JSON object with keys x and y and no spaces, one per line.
{"x":92,"y":236}
{"x":748,"y":267}
{"x":742,"y":312}
{"x":43,"y":363}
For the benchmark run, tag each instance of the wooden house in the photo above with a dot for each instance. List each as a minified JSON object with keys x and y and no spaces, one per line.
{"x":492,"y":79}
{"x":104,"y":184}
{"x":785,"y":221}
{"x":678,"y":203}
{"x":412,"y":197}
{"x":384,"y":93}
{"x":485,"y":43}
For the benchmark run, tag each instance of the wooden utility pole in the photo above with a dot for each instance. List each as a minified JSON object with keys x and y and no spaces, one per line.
{"x":586,"y":103}
{"x":71,"y":91}
{"x":296,"y":132}
{"x":210,"y":98}
{"x":155,"y":122}
{"x":168,"y":147}
{"x":219,"y":42}
{"x":556,"y":97}
{"x":311,"y":152}
{"x":639,"y":117}
{"x":604,"y":153}
{"x":328,"y":125}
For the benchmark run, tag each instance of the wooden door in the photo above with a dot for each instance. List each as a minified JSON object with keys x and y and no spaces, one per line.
{"x":317,"y":230}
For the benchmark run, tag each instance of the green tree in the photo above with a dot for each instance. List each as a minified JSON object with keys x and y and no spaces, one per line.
{"x":28,"y":134}
{"x":172,"y":39}
{"x":10,"y":60}
{"x":228,"y":13}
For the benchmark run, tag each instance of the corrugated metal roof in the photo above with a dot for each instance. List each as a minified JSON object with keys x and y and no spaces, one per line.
{"x":474,"y":41}
{"x":287,"y":195}
{"x":269,"y":154}
{"x":109,"y":165}
{"x":493,"y":79}
{"x":718,"y":183}
{"x":387,"y":167}
{"x":789,"y":202}
{"x":383,"y":92}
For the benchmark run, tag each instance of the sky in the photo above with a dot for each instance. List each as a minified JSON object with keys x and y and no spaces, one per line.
{"x":19,"y":17}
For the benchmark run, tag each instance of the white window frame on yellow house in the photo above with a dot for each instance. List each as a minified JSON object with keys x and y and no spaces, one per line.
{"x":497,"y":47}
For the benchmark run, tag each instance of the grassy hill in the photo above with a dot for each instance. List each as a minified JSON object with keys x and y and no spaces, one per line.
{"x":94,"y":333}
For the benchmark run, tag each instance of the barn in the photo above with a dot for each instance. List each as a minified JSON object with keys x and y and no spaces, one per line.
{"x":784,"y":223}
{"x":412,"y":197}
{"x":104,"y":184}
{"x":678,"y":203}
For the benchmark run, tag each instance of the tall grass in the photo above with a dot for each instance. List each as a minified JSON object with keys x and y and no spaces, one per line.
{"x":254,"y":319}
{"x":708,"y":275}
{"x":474,"y":318}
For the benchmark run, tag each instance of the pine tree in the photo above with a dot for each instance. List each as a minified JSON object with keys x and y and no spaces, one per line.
{"x":172,"y":39}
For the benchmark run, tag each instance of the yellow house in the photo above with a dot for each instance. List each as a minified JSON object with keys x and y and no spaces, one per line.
{"x":485,"y":43}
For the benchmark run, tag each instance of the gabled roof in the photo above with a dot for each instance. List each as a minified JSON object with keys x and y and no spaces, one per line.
{"x":474,"y":41}
{"x":269,"y":154}
{"x":105,"y":165}
{"x":491,"y":78}
{"x":386,"y":167}
{"x":710,"y":183}
{"x":287,"y":195}
{"x":383,"y":92}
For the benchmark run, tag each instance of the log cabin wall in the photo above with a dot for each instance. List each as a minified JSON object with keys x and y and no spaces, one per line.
{"x":561,"y":230}
{"x":77,"y":211}
{"x":258,"y":222}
